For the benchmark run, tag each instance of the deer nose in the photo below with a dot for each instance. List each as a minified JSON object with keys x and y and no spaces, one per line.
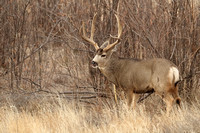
{"x":94,"y":64}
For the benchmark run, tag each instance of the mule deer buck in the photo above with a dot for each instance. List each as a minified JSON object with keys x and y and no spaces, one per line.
{"x":135,"y":76}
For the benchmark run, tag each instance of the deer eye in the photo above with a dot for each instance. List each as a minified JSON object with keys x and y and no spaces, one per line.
{"x":103,"y":55}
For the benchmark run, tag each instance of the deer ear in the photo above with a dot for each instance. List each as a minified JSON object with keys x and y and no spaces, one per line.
{"x":105,"y":44}
{"x":115,"y":48}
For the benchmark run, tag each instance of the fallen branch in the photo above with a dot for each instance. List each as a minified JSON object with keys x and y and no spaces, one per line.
{"x":74,"y":92}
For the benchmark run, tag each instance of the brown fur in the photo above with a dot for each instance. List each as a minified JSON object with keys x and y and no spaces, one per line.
{"x":142,"y":76}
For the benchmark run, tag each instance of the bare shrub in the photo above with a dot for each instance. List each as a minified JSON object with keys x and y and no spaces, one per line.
{"x":41,"y":48}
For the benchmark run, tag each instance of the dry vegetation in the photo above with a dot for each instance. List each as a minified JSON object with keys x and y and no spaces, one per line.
{"x":48,"y":85}
{"x":72,"y":117}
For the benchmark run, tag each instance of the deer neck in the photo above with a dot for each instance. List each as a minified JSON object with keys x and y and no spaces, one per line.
{"x":111,"y":69}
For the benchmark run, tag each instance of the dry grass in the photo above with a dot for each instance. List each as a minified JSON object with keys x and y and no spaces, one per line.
{"x":41,"y":48}
{"x":70,"y":117}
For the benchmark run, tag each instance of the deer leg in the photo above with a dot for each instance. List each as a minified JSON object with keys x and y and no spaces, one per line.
{"x":171,"y":97}
{"x":168,"y":99}
{"x":132,"y":97}
{"x":136,"y":97}
{"x":176,"y":96}
{"x":129,"y":97}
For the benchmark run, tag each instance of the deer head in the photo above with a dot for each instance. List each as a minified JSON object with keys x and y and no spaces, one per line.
{"x":103,"y":53}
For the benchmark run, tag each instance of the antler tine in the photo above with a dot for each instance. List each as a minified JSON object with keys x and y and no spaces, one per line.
{"x":93,"y":26}
{"x":90,"y":40}
{"x":118,"y":37}
{"x":119,"y":27}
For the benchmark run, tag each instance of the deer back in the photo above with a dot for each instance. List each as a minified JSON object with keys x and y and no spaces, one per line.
{"x":140,"y":75}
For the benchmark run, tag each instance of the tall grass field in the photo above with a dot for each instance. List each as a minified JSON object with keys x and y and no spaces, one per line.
{"x":78,"y":118}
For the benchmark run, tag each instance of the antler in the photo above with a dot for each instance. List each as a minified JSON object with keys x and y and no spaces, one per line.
{"x":118,"y":37}
{"x":90,"y":40}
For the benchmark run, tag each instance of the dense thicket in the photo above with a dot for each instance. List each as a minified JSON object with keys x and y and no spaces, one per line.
{"x":41,"y":47}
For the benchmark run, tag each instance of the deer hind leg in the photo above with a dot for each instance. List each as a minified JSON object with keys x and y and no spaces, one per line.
{"x":168,"y":99}
{"x":176,"y":96}
{"x":171,"y":97}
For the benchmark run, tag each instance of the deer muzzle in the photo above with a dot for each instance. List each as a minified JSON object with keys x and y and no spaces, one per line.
{"x":94,"y":64}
